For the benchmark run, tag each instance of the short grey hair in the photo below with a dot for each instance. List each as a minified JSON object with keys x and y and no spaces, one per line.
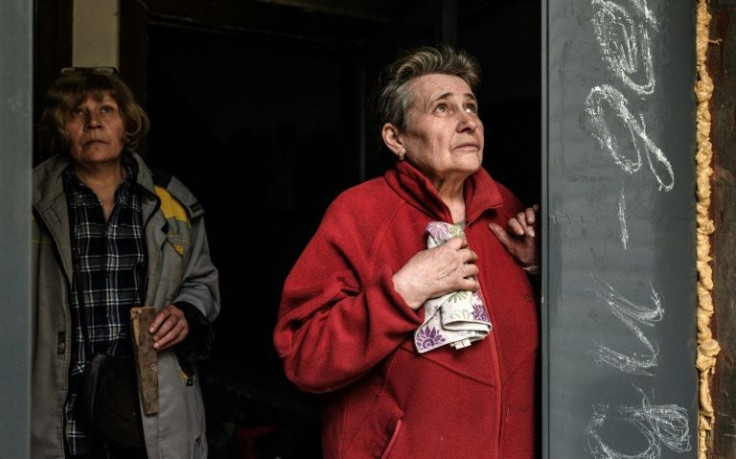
{"x":392,"y":97}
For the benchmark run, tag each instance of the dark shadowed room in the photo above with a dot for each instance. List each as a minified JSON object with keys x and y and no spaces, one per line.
{"x":260,"y":108}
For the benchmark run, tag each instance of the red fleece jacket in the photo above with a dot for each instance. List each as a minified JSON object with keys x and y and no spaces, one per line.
{"x":344,"y":331}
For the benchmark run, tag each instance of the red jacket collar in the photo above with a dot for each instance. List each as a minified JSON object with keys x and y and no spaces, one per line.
{"x":481,"y":192}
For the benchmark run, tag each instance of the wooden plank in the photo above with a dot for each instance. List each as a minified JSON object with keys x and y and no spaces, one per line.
{"x":722,"y":53}
{"x":146,"y":357}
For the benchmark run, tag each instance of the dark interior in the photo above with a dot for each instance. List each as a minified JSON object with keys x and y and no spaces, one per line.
{"x":259,"y":108}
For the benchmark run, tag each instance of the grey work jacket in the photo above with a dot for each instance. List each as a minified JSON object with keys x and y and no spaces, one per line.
{"x":179,"y":269}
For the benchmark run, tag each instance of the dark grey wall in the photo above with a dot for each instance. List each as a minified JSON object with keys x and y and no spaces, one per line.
{"x":620,"y":296}
{"x":15,"y":177}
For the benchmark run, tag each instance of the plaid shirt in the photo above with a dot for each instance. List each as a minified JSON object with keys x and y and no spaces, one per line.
{"x":110,"y":264}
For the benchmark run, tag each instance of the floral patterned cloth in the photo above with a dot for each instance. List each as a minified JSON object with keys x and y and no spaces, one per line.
{"x":458,"y":318}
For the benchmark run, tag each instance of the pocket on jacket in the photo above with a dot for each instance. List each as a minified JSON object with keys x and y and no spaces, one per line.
{"x":521,"y":411}
{"x":181,"y":417}
{"x":392,"y":440}
{"x":178,"y":241}
{"x":378,"y":432}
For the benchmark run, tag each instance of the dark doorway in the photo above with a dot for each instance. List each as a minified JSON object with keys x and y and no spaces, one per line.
{"x":265,"y":134}
{"x":262,"y":115}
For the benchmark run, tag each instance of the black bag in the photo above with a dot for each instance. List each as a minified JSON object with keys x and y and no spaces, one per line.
{"x":108,"y":401}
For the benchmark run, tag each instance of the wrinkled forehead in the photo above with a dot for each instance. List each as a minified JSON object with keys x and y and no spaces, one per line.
{"x":436,"y":86}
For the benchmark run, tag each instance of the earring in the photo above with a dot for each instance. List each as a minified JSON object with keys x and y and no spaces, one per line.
{"x":401,"y":156}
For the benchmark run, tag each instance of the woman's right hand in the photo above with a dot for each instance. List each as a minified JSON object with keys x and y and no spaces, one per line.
{"x":434,"y":272}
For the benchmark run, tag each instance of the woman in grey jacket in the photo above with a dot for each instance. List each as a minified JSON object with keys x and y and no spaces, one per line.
{"x":110,"y":234}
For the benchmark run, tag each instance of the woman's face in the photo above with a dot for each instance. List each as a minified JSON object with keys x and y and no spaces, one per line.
{"x":96,"y":131}
{"x":444,"y":139}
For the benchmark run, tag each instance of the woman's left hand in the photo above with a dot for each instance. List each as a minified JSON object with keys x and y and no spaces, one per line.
{"x":520,"y":237}
{"x":169,"y":328}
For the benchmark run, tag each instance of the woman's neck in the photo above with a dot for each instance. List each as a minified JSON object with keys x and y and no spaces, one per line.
{"x":104,"y":181}
{"x":454,"y":199}
{"x":451,"y":189}
{"x":457,"y":210}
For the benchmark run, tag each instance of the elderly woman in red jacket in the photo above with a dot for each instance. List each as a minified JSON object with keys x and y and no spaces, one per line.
{"x":411,"y":309}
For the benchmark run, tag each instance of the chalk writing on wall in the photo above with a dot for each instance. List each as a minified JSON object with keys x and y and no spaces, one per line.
{"x":660,"y":425}
{"x":622,"y":219}
{"x":600,"y":124}
{"x":624,"y":42}
{"x":633,"y":316}
{"x":623,"y":31}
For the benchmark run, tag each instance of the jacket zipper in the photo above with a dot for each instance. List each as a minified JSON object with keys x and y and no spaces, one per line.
{"x":495,"y":365}
{"x":392,"y":439}
{"x":497,"y":381}
{"x":150,"y":295}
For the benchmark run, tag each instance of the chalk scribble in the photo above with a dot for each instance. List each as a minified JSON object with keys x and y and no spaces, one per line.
{"x":632,"y":315}
{"x":624,"y":42}
{"x":622,"y":219}
{"x":604,"y":106}
{"x":660,"y":425}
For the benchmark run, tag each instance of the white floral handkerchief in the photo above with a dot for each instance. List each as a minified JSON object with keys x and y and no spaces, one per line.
{"x":458,"y":318}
